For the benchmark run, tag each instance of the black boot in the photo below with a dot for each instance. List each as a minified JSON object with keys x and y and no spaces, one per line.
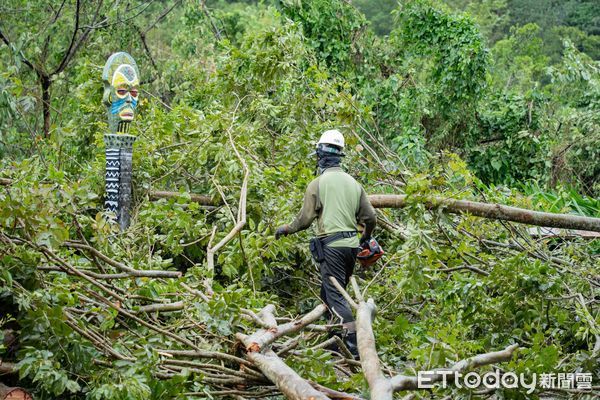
{"x":352,"y":345}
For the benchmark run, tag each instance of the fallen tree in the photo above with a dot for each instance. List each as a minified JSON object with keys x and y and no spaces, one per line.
{"x":480,"y":209}
{"x":454,"y":206}
{"x":492,"y":211}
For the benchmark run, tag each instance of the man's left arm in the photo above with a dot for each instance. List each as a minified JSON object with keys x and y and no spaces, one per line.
{"x":366,"y":215}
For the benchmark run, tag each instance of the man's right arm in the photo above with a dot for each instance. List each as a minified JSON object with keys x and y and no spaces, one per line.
{"x":309,"y":210}
{"x":307,"y":214}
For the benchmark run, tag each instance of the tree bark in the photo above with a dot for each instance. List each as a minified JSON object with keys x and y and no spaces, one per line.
{"x":380,"y":387}
{"x":287,"y":380}
{"x":13,"y":393}
{"x":493,"y":211}
{"x":402,"y":382}
{"x":45,"y":84}
{"x":264,"y":337}
{"x":292,"y":385}
{"x":196,"y":198}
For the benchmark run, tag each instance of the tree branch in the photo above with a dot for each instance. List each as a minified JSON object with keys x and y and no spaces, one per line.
{"x":23,"y":58}
{"x":196,"y":198}
{"x":493,"y":211}
{"x":67,"y":55}
{"x":160,"y":17}
{"x":403,"y":382}
{"x":241,"y":217}
{"x":264,"y":337}
{"x":286,"y":379}
{"x":123,"y":267}
{"x":161,"y":307}
{"x":382,"y":388}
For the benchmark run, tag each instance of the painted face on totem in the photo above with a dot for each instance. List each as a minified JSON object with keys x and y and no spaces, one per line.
{"x":125,"y":92}
{"x":121,"y":93}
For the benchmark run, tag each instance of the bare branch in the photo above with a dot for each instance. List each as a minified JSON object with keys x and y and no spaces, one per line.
{"x":76,"y":44}
{"x":160,"y":17}
{"x":264,"y":337}
{"x":286,"y":379}
{"x":214,"y":28}
{"x":65,"y":59}
{"x":123,"y":267}
{"x":493,"y":211}
{"x":356,"y":289}
{"x":195,"y":292}
{"x":265,"y":318}
{"x":241,"y":220}
{"x":204,"y":354}
{"x":402,"y":382}
{"x":35,"y":68}
{"x":161,"y":307}
{"x":463,"y":267}
{"x":343,"y":292}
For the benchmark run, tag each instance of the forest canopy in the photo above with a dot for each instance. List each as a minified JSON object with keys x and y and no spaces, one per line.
{"x":493,"y":101}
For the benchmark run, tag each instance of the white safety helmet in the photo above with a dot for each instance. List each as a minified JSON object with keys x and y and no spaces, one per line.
{"x":333,"y":137}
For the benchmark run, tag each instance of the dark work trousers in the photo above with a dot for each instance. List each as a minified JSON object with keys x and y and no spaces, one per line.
{"x":339,"y":263}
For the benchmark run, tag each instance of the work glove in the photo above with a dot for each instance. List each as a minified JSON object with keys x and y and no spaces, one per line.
{"x":281,"y":231}
{"x":364,"y":242}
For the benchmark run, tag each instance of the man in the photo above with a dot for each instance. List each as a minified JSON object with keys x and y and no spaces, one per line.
{"x":338,"y":203}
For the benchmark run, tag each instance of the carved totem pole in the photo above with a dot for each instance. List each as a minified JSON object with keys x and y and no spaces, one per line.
{"x":121,"y":80}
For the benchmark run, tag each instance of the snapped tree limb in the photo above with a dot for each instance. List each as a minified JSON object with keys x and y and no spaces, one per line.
{"x":292,"y":385}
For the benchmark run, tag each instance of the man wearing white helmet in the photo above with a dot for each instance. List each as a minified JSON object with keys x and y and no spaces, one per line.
{"x":339,"y":204}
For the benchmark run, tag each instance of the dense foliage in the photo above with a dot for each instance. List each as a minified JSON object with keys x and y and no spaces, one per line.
{"x":475,"y":105}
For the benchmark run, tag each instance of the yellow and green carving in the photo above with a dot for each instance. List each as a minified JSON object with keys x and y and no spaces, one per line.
{"x":121,"y":84}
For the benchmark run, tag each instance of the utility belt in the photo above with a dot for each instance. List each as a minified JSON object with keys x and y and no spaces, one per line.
{"x":317,"y":244}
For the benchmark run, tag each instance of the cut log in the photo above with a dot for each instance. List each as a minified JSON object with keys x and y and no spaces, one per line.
{"x":13,"y":393}
{"x":493,"y":211}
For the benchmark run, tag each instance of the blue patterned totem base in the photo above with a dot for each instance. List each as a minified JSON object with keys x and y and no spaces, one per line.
{"x":119,"y":155}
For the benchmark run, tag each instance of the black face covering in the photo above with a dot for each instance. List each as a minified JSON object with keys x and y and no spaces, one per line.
{"x":327,"y":160}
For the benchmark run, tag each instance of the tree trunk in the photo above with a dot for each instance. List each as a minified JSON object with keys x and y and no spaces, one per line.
{"x":493,"y":211}
{"x":286,"y":379}
{"x":45,"y":83}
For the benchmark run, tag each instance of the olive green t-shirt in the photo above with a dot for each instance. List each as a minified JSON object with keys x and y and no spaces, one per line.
{"x":338,"y":203}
